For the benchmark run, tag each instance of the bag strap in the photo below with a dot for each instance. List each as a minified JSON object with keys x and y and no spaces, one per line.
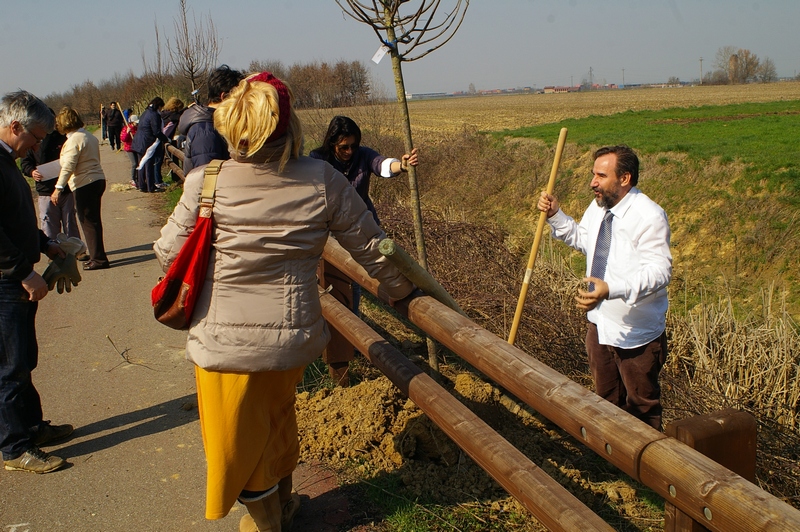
{"x":209,"y":188}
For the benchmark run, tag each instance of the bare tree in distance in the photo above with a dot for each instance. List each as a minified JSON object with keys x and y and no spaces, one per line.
{"x":196,"y":48}
{"x":739,"y":65}
{"x":156,"y":71}
{"x":276,"y":67}
{"x":425,"y":26}
{"x":722,"y":60}
{"x":748,"y":66}
{"x":767,"y":72}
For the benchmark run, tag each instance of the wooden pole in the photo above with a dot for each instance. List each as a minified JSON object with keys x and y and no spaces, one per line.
{"x":545,"y":498}
{"x":729,"y":438}
{"x":417,"y":274}
{"x":692,"y":482}
{"x":512,"y":336}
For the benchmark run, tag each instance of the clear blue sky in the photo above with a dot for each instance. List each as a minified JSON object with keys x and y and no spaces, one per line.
{"x":50,"y":45}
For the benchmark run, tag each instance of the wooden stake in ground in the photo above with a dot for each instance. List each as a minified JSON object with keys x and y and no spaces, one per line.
{"x":562,"y":139}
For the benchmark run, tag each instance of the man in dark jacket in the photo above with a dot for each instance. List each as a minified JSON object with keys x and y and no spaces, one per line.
{"x":24,"y":122}
{"x":54,"y":219}
{"x":203,"y":143}
{"x":114,"y":121}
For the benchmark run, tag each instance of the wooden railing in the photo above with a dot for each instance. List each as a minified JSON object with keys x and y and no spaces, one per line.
{"x":706,"y":491}
{"x":174,"y":153}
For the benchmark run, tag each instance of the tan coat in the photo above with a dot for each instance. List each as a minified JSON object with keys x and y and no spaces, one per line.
{"x":259,"y":309}
{"x":80,"y":160}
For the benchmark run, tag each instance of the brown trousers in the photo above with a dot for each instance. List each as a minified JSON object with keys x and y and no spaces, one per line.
{"x":628,"y":378}
{"x":339,"y":350}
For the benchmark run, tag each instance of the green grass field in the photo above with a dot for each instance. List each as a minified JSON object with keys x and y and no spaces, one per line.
{"x":763,"y":136}
{"x":728,"y":177}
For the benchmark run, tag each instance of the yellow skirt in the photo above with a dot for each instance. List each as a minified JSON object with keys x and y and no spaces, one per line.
{"x":249,"y":430}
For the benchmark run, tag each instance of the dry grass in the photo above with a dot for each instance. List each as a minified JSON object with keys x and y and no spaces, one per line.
{"x":496,"y":113}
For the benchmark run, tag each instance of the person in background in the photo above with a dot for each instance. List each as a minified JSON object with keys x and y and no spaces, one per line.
{"x":115,"y":122}
{"x":150,"y":130}
{"x":258,"y":319}
{"x":24,"y":122}
{"x":203,"y":143}
{"x":626,"y":236}
{"x":126,"y":137}
{"x":81,"y":170}
{"x":54,"y":219}
{"x":103,"y":123}
{"x":342,"y":148}
{"x":170,"y":115}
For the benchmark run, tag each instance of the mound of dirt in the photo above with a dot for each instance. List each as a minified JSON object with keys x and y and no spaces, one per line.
{"x":371,"y":429}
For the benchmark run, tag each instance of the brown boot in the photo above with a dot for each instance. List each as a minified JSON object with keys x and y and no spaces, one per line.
{"x":290,"y":502}
{"x":340,"y":373}
{"x":264,"y":515}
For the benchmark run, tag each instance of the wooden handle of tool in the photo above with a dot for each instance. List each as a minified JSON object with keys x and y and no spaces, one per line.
{"x":512,"y":335}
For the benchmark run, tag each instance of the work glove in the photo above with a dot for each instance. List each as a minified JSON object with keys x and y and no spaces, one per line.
{"x":70,"y":244}
{"x":63,"y":273}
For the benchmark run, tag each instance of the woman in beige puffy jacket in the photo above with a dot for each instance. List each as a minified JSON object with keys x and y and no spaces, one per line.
{"x":258,"y":320}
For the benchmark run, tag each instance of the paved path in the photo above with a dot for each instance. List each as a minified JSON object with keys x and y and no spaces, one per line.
{"x":136,"y":459}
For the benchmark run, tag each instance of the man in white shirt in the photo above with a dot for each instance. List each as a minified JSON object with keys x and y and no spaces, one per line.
{"x":625,"y":237}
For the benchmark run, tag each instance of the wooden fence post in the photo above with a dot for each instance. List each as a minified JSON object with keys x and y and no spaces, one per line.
{"x":729,"y":438}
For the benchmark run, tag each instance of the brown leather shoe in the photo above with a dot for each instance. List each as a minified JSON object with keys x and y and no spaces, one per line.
{"x":35,"y":460}
{"x":47,"y":433}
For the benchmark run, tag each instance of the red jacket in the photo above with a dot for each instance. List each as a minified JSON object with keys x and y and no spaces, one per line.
{"x":127,"y":136}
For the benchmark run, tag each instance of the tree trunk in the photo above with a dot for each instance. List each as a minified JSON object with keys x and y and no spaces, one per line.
{"x":416,"y":210}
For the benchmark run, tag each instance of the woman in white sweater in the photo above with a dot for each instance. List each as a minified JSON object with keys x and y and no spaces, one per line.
{"x":80,"y":168}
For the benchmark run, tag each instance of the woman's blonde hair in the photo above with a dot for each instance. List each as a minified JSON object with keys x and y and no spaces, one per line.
{"x":68,"y":120}
{"x":250,"y":114}
{"x":173,"y":104}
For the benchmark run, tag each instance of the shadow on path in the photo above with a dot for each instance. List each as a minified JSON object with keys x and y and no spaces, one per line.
{"x":132,"y":425}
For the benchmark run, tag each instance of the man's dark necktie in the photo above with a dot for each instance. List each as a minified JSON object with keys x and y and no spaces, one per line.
{"x":601,"y":249}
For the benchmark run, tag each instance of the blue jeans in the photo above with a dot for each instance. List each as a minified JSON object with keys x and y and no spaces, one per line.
{"x":20,"y":405}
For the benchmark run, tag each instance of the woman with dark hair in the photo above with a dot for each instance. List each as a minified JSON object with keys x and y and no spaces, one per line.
{"x":343,"y":150}
{"x":150,"y":131}
{"x":81,"y":170}
{"x":258,"y":318}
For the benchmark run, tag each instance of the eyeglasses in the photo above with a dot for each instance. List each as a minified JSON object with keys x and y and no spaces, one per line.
{"x":31,"y":133}
{"x":347,"y":147}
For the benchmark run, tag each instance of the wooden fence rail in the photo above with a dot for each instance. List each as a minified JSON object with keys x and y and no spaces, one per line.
{"x":708,"y":492}
{"x":545,"y":498}
{"x":177,"y":170}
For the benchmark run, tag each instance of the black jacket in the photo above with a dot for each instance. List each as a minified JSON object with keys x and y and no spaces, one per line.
{"x":203,"y":144}
{"x":114,"y":118}
{"x":150,"y":126}
{"x":21,"y":241}
{"x":49,"y":150}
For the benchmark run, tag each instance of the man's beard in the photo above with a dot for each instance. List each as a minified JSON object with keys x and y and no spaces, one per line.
{"x":608,"y":199}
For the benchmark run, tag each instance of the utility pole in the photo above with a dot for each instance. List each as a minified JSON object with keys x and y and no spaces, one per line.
{"x":623,"y":77}
{"x":591,"y":84}
{"x":701,"y":71}
{"x":570,"y":82}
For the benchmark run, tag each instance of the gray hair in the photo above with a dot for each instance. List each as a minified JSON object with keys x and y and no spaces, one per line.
{"x":26,"y":109}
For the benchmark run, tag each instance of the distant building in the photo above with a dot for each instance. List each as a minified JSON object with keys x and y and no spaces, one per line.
{"x":552,"y":89}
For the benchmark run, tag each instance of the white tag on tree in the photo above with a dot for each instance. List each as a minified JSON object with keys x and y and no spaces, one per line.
{"x":376,"y":58}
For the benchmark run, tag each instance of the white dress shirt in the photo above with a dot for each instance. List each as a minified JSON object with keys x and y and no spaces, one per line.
{"x":638,"y":271}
